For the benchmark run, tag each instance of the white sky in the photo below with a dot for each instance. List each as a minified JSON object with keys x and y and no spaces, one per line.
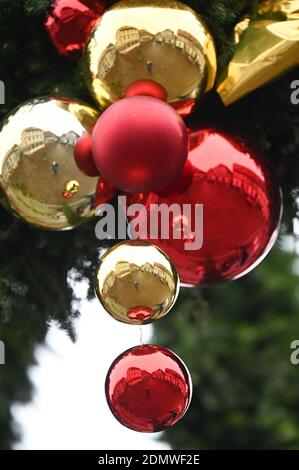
{"x":69,"y":410}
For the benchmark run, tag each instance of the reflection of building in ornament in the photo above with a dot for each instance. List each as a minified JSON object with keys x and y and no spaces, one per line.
{"x":173,"y":378}
{"x":69,"y":139}
{"x":166,"y":36}
{"x":127,"y":38}
{"x":50,"y":138}
{"x":137,"y":376}
{"x":145,"y":36}
{"x":243,"y":179}
{"x":35,"y":139}
{"x":252,"y":186}
{"x":11,"y":161}
{"x":190,"y":47}
{"x":124,"y":268}
{"x":32,"y":139}
{"x":107,"y":60}
{"x":124,"y":289}
{"x":134,"y":375}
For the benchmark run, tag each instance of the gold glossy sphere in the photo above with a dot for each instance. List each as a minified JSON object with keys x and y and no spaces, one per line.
{"x":38,"y":174}
{"x":71,"y":188}
{"x":161,"y":40}
{"x":136,"y":282}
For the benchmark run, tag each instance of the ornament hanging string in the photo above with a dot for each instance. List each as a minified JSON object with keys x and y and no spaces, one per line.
{"x":141,"y":336}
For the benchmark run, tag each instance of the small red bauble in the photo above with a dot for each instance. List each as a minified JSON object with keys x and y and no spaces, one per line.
{"x":241,"y":210}
{"x":69,"y":23}
{"x":83,"y":156}
{"x":140,"y":144}
{"x":148,"y":388}
{"x":146,"y":88}
{"x":184,"y":107}
{"x":104,"y":192}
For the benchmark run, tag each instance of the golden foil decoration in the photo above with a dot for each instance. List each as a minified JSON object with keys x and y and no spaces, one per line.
{"x":37,"y":162}
{"x":136,"y":282}
{"x":161,"y":40}
{"x":290,"y":8}
{"x":266,"y":49}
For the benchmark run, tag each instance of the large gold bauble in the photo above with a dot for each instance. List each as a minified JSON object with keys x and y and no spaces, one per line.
{"x":38,"y":174}
{"x":161,"y":40}
{"x":136,"y":282}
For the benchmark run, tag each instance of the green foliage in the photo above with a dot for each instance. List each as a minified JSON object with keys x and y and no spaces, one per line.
{"x":34,"y":290}
{"x":235,"y":338}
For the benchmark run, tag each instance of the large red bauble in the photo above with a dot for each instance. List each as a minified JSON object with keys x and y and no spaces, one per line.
{"x":140,"y":144}
{"x":241,"y":210}
{"x":69,"y":23}
{"x":148,"y":388}
{"x":83,"y":156}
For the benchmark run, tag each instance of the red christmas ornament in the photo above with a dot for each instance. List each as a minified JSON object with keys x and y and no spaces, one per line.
{"x":146,"y":88}
{"x":69,"y":23}
{"x":241,"y":210}
{"x":83,"y":156}
{"x":140,"y":144}
{"x":104,"y":192}
{"x":184,"y":107}
{"x":148,"y":388}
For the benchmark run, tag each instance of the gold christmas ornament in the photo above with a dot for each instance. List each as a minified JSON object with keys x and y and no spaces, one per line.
{"x":71,"y":188}
{"x":38,"y":174}
{"x":267,"y":47}
{"x":136,"y":282}
{"x":290,"y":8}
{"x":160,"y":40}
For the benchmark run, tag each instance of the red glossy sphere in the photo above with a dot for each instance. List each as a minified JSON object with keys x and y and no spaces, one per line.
{"x":146,"y":88}
{"x":104,"y":192}
{"x":83,"y":156}
{"x":184,"y":107}
{"x":140,"y":144}
{"x":148,"y":388}
{"x":241,"y":210}
{"x":69,"y":23}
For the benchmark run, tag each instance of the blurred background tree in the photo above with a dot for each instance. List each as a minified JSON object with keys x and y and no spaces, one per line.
{"x":236,"y":341}
{"x":235,"y":338}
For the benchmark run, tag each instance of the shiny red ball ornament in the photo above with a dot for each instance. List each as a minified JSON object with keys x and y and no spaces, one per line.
{"x":241,"y":210}
{"x":140,"y":144}
{"x":104,"y":192}
{"x":69,"y":23}
{"x":83,"y":156}
{"x":184,"y":107}
{"x":148,"y":388}
{"x":146,"y":88}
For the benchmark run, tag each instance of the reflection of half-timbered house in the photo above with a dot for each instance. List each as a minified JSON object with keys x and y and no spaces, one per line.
{"x":11,"y":161}
{"x":32,"y":139}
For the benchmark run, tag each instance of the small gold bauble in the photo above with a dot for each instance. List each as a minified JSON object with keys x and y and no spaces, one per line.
{"x":136,"y":282}
{"x":71,"y":188}
{"x":38,"y":174}
{"x":160,"y":40}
